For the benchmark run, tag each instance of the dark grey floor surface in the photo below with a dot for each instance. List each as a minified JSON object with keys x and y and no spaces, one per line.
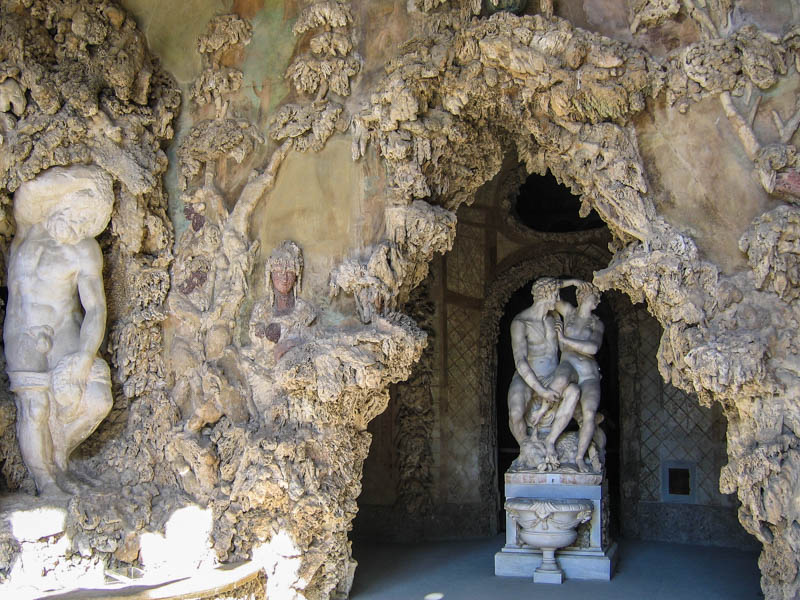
{"x":464,"y":570}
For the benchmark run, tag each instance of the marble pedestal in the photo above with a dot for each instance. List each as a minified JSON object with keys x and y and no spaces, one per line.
{"x":595,"y":561}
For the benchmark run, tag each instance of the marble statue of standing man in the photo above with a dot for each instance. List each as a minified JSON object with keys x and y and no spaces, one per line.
{"x":56,"y":318}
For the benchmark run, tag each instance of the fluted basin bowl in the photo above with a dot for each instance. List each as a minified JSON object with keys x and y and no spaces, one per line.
{"x":549,"y":522}
{"x":548,"y":539}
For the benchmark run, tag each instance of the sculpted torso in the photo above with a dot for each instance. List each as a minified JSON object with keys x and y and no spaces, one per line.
{"x":540,"y":340}
{"x":582,"y":328}
{"x":56,"y":318}
{"x":44,"y":316}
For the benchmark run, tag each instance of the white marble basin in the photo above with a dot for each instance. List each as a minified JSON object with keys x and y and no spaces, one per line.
{"x":548,"y":524}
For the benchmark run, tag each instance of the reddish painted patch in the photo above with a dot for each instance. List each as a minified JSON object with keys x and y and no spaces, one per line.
{"x":788,"y":182}
{"x":194,"y":281}
{"x":196,"y":219}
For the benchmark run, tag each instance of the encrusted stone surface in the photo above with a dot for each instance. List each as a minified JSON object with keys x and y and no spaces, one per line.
{"x":78,"y":86}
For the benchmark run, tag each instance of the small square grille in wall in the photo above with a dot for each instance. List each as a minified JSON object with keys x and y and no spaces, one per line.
{"x":678,"y":482}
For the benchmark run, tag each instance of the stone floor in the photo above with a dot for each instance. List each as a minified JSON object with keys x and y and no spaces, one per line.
{"x":465,"y":571}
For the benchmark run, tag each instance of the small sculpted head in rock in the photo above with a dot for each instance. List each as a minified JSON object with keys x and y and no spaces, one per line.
{"x":284,"y":270}
{"x":283,"y":281}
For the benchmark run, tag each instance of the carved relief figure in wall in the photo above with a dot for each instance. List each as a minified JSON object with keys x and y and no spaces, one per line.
{"x":56,"y":318}
{"x":579,"y":338}
{"x":277,"y":322}
{"x":534,"y":342}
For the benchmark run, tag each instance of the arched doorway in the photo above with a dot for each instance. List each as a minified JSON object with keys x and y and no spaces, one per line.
{"x":435,"y":469}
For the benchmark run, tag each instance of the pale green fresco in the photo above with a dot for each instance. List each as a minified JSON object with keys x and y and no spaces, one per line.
{"x":268,"y":54}
{"x":172,"y":29}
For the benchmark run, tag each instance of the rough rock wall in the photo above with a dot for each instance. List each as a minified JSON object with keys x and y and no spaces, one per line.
{"x":279,"y":464}
{"x":274,"y":444}
{"x":79,"y":86}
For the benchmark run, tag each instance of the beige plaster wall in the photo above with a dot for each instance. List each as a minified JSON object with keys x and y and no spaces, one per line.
{"x":325,"y":201}
{"x":700,"y":178}
{"x":320,"y":201}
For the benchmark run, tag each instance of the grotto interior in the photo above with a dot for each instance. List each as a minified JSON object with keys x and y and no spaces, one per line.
{"x":247,"y":246}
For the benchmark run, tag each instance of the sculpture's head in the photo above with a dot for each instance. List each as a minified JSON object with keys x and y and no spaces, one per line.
{"x":72,"y":203}
{"x":284,"y":269}
{"x":545,"y":291}
{"x":588,"y":293}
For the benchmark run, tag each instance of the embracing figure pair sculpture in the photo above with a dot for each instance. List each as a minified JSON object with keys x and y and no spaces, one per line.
{"x":546,"y":389}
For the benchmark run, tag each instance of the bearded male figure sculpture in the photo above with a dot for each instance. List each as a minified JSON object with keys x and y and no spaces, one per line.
{"x":56,"y":318}
{"x":534,"y":342}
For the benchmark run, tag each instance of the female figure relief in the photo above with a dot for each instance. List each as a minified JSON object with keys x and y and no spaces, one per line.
{"x":277,"y":321}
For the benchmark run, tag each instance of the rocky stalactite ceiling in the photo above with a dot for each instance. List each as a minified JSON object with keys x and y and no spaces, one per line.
{"x":276,"y":451}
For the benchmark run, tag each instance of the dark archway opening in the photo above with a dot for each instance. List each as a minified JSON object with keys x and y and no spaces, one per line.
{"x":607,"y":358}
{"x":545,"y":205}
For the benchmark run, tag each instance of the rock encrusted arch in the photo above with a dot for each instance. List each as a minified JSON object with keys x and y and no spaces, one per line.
{"x":453,"y":101}
{"x":438,"y":118}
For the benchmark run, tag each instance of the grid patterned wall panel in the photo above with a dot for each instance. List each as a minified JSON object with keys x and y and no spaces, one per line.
{"x":466,"y":261}
{"x":461,"y":422}
{"x":674,"y":427}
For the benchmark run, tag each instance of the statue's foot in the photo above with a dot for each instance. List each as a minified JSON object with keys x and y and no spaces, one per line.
{"x":582,"y":465}
{"x":551,"y":461}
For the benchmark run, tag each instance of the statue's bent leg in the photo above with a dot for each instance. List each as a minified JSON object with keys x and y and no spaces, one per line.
{"x":590,"y":401}
{"x":570,"y":394}
{"x":96,"y":403}
{"x":519,"y":395}
{"x":565,"y":411}
{"x":34,"y":437}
